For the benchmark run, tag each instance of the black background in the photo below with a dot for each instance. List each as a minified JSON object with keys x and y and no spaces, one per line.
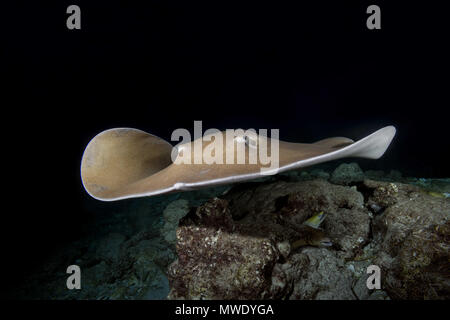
{"x":311,"y":69}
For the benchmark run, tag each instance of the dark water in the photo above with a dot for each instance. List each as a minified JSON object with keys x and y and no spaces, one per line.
{"x":311,"y":70}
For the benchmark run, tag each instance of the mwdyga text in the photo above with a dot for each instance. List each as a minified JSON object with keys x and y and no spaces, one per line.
{"x":226,"y":309}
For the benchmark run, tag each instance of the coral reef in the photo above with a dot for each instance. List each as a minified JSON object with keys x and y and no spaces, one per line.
{"x":172,"y":214}
{"x":124,"y":254}
{"x":238,"y":247}
{"x":414,"y":236}
{"x":250,"y":258}
{"x":249,"y":241}
{"x":347,"y":173}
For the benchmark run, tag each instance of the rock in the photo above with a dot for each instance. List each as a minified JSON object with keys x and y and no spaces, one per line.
{"x":360,"y":288}
{"x":217,"y":263}
{"x":320,"y":174}
{"x":138,"y":272}
{"x":319,"y":274}
{"x":154,"y":250}
{"x":241,"y":245}
{"x":94,"y":275}
{"x":238,"y":247}
{"x":176,"y":210}
{"x":347,"y":222}
{"x":227,"y":242}
{"x":147,"y":281}
{"x":158,"y":288}
{"x":414,"y":240}
{"x":108,"y":247}
{"x":284,"y":248}
{"x":383,"y":194}
{"x":172,"y":214}
{"x":433,"y":185}
{"x":379,"y":295}
{"x":347,"y":173}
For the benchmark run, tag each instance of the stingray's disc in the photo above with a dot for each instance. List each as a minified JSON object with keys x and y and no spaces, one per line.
{"x":126,"y":163}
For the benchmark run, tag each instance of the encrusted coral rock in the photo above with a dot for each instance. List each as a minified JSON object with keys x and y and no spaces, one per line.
{"x":320,"y":173}
{"x":383,"y":194}
{"x":239,"y":247}
{"x":172,"y":214}
{"x":347,"y":173}
{"x":319,"y":274}
{"x":414,"y":231}
{"x":217,"y":263}
{"x":246,"y":244}
{"x":347,"y":222}
{"x":108,"y":247}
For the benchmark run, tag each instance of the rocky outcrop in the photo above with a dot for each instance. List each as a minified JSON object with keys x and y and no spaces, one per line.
{"x":243,"y":244}
{"x":171,"y":215}
{"x":414,"y":236}
{"x":347,"y":173}
{"x":109,"y":245}
{"x":239,"y":246}
{"x":216,"y":261}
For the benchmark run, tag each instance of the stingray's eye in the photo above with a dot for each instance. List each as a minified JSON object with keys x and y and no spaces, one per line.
{"x":250,"y":141}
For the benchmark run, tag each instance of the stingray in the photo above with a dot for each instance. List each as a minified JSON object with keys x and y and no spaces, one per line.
{"x":126,"y":163}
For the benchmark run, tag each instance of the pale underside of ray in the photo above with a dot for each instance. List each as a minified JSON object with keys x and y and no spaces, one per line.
{"x":127,"y":163}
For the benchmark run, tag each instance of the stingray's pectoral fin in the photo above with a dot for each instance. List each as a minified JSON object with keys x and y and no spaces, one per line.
{"x":125,"y":163}
{"x":116,"y":158}
{"x":335,"y":142}
{"x":372,"y":146}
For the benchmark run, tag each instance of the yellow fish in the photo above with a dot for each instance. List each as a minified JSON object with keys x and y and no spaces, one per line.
{"x":437,"y":194}
{"x":311,"y":235}
{"x":315,"y":220}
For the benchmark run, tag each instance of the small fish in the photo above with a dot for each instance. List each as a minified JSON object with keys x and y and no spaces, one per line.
{"x":311,"y":235}
{"x":315,"y":220}
{"x":438,"y":194}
